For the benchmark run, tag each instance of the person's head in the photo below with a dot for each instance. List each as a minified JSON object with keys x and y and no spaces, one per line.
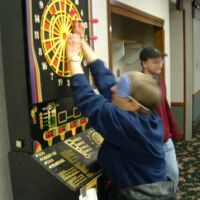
{"x":136,"y":92}
{"x":151,"y":60}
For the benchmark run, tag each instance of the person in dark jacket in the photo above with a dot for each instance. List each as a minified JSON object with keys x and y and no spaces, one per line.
{"x":152,"y":64}
{"x":131,"y":155}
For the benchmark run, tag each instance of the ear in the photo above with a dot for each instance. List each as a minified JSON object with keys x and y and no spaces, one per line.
{"x":113,"y":89}
{"x":144,"y":63}
{"x":134,"y":106}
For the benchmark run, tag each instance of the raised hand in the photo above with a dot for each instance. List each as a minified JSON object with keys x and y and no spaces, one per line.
{"x":73,"y":45}
{"x":78,"y":27}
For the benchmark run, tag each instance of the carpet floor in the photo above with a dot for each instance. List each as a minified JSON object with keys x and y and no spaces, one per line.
{"x":188,"y":155}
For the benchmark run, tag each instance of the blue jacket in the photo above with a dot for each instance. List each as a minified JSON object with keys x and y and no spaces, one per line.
{"x":132,"y":153}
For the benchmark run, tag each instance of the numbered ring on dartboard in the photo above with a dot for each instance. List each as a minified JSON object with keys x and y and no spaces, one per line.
{"x":56,"y":24}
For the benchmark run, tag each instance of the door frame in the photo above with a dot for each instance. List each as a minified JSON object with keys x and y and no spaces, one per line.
{"x":124,"y":10}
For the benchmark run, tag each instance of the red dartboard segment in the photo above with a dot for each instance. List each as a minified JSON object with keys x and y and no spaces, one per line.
{"x":63,"y":6}
{"x":59,"y":73}
{"x":48,"y":45}
{"x":52,"y":9}
{"x":55,"y":62}
{"x":46,"y":25}
{"x":66,"y":67}
{"x":72,"y":13}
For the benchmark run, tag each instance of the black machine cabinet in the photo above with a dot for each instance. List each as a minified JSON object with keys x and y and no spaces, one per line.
{"x":31,"y":181}
{"x":53,"y":147}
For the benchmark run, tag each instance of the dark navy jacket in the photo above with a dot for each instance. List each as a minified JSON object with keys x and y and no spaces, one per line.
{"x":132,"y":153}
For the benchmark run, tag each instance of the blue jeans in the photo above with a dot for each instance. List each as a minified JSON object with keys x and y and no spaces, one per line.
{"x":171,"y":162}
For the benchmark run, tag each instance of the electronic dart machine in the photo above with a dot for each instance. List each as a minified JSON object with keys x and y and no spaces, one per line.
{"x":53,"y":147}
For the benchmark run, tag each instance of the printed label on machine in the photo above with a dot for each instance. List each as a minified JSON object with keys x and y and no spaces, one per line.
{"x":71,"y":160}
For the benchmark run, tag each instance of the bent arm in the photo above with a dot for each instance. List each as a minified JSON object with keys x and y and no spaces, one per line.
{"x":103,"y":115}
{"x":103,"y":77}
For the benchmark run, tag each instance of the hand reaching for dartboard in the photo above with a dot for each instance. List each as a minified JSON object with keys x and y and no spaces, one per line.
{"x":73,"y":45}
{"x":78,"y":27}
{"x":73,"y":50}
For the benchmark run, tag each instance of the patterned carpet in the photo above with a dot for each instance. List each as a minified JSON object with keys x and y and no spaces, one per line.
{"x":188,"y":154}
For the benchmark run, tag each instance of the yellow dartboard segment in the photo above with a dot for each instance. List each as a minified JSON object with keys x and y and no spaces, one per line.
{"x":56,"y":24}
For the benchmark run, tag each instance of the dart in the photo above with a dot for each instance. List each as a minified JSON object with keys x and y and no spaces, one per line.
{"x":94,"y":21}
{"x":93,"y":38}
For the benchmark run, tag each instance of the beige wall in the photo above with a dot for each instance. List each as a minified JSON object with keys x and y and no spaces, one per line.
{"x":177,"y":52}
{"x":196,"y":42}
{"x":189,"y":68}
{"x":99,"y":10}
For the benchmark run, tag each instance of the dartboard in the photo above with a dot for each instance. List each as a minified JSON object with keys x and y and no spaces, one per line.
{"x":48,"y":24}
{"x":55,"y":25}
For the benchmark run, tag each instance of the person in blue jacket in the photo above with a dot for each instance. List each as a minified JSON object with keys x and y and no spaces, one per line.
{"x":131,"y":155}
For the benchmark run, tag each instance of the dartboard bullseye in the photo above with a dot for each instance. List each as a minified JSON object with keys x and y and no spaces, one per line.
{"x":48,"y":24}
{"x":55,"y":26}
